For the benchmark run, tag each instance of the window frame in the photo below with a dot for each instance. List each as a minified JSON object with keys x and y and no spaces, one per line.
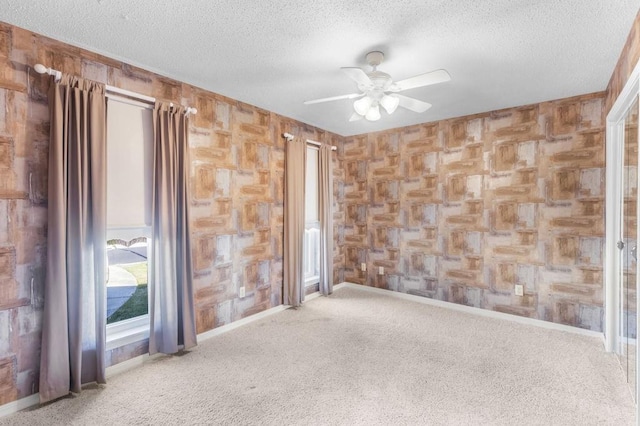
{"x":136,"y":329}
{"x":313,"y":279}
{"x":130,"y":330}
{"x":127,"y":331}
{"x":311,"y":224}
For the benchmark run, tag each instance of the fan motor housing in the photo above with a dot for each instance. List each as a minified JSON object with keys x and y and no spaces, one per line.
{"x":374,"y":58}
{"x":381,"y":81}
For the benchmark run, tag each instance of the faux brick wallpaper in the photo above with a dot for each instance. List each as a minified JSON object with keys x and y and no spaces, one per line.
{"x":462,"y":210}
{"x":626,"y":63}
{"x":459,"y":210}
{"x":237,"y":156}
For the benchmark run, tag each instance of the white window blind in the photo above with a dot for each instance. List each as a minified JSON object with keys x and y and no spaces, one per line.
{"x":129,"y":168}
{"x":311,"y":186}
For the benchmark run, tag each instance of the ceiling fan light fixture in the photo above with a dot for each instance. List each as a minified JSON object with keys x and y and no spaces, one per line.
{"x":377,"y":88}
{"x":389,"y":103}
{"x":373,"y":114}
{"x":362,"y":105}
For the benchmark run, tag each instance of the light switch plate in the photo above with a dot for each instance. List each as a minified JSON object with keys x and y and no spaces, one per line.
{"x":519,"y":290}
{"x":241,"y":292}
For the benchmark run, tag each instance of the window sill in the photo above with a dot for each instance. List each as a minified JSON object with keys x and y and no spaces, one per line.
{"x":127,"y":332}
{"x":311,"y":281}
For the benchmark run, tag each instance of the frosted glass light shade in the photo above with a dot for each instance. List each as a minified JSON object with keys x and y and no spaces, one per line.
{"x":362,"y":105}
{"x":389,"y":103}
{"x":373,"y":114}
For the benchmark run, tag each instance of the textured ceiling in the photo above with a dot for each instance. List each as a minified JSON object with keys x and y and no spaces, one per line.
{"x":276,"y":54}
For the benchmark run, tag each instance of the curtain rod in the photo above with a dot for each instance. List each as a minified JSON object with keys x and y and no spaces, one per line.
{"x":41,"y":69}
{"x":289,"y":136}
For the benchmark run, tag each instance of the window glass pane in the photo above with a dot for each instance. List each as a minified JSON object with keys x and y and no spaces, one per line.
{"x":129,"y":163}
{"x":127,"y":279}
{"x":129,"y":186}
{"x":311,"y":250}
{"x":311,"y":253}
{"x":311,"y":186}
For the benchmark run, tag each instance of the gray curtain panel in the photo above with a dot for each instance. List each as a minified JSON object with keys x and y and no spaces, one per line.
{"x":325,"y":207}
{"x":73,"y":324}
{"x":294,"y":176}
{"x":172,"y":315}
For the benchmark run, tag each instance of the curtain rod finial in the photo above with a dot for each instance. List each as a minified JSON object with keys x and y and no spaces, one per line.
{"x":41,"y":69}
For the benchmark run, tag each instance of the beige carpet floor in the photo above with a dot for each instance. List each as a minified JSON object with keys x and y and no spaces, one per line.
{"x":358,"y":358}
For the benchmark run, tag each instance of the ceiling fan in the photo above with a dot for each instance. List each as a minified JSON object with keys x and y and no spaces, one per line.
{"x":378,"y":89}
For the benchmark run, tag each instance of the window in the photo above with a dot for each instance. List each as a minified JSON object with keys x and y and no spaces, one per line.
{"x":129,"y":186}
{"x":127,"y":279}
{"x":311,"y":255}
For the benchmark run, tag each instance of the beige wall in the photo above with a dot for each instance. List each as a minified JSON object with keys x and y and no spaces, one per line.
{"x":237,"y":193}
{"x":462,"y":210}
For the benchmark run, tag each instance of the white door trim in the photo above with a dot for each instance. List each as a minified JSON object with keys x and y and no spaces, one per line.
{"x":611,"y":276}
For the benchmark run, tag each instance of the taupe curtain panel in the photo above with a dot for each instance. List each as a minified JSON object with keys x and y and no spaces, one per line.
{"x":325,"y":207}
{"x":171,"y":295}
{"x":73,"y":325}
{"x":294,"y":176}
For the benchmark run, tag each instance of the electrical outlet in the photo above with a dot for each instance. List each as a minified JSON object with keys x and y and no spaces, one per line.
{"x":519,"y":290}
{"x":380,"y":270}
{"x":363,"y":267}
{"x":241,"y":292}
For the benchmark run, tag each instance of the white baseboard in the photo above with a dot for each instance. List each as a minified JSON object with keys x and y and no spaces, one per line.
{"x":129,"y":364}
{"x":19,"y":405}
{"x":140,"y":360}
{"x":318,"y":294}
{"x":312,"y":296}
{"x":239,"y":323}
{"x":33,"y":400}
{"x":474,"y":310}
{"x":341,"y":285}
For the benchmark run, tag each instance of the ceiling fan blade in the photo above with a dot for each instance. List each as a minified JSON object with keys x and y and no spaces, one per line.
{"x":426,"y":79}
{"x":358,"y":75}
{"x":334,"y":98}
{"x":413,"y":104}
{"x":355,"y":117}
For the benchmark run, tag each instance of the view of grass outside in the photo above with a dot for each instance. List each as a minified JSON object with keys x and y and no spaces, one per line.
{"x":137,"y":304}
